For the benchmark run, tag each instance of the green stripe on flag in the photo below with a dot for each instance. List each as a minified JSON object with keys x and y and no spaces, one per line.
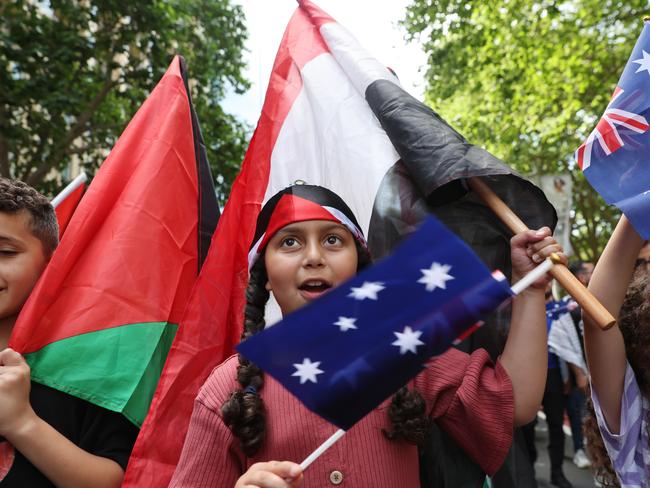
{"x":116,"y":368}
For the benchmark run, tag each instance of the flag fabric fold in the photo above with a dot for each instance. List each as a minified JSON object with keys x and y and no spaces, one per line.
{"x":416,"y":166}
{"x":100,"y":321}
{"x":563,"y":338}
{"x":345,"y":353}
{"x":614,"y":158}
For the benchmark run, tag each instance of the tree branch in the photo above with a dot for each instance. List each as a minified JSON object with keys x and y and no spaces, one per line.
{"x":75,"y":131}
{"x":4,"y":146}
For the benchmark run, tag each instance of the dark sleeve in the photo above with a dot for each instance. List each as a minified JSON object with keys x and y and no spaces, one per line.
{"x":471,"y":400}
{"x":107,"y":434}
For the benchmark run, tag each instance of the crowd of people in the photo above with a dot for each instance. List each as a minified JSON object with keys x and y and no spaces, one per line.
{"x":247,"y":430}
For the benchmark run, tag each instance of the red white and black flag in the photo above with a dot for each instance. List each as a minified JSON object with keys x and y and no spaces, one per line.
{"x":337,"y":117}
{"x":333,"y":116}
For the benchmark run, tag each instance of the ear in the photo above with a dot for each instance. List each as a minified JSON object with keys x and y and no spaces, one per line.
{"x":268,"y":286}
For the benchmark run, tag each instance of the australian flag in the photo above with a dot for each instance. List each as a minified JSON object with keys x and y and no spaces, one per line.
{"x":346,"y":352}
{"x":615,"y":158}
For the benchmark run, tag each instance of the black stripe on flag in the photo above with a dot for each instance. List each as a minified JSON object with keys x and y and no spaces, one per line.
{"x":209,"y":212}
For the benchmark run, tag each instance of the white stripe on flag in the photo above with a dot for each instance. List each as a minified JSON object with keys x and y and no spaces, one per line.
{"x":331,"y":138}
{"x":357,"y":63}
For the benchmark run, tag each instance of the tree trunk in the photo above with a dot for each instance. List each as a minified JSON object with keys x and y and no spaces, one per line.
{"x":4,"y":145}
{"x":36,"y":176}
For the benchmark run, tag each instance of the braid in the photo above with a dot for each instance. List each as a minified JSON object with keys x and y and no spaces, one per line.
{"x":407,"y":411}
{"x":244,"y":412}
{"x":408,"y":416}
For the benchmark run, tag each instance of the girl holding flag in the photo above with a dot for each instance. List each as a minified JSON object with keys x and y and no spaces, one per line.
{"x":308,"y":241}
{"x":619,"y":363}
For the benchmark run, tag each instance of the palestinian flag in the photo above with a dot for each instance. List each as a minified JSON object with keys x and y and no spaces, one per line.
{"x":101,"y":319}
{"x":65,"y":203}
{"x":336,"y":117}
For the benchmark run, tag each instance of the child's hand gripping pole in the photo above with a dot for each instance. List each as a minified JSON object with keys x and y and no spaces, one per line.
{"x":570,"y":283}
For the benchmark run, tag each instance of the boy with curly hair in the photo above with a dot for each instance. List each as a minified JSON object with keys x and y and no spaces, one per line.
{"x":47,"y":438}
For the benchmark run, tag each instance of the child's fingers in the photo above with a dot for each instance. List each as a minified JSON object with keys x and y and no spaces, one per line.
{"x":265,"y":479}
{"x":542,"y":254}
{"x":525,"y":238}
{"x":286,"y":469}
{"x":9,"y":357}
{"x":274,"y":474}
{"x":533,"y":247}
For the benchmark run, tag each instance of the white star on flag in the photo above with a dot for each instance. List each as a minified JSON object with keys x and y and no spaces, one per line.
{"x":346,"y":323}
{"x":408,"y":341}
{"x":369,"y":289}
{"x":644,"y":62}
{"x":307,"y":371}
{"x":436,"y":276}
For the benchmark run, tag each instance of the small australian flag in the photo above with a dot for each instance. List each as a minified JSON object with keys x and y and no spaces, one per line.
{"x":345,"y":353}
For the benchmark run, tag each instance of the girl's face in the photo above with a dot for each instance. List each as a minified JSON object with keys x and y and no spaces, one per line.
{"x":305,"y":259}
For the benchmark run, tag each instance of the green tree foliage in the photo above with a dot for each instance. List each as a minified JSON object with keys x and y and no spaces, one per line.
{"x":74,"y":72}
{"x":528,"y":80}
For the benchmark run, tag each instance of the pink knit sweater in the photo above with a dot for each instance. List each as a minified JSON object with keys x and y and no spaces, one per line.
{"x":468,"y":397}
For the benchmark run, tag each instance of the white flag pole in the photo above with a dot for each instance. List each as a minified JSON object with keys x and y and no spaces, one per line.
{"x":533,"y":276}
{"x":322,"y":448}
{"x":72,"y":186}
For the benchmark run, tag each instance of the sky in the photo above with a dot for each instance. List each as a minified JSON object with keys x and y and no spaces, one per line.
{"x":373,"y":22}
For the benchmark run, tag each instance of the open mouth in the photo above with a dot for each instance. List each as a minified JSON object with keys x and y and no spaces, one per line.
{"x":314,"y":287}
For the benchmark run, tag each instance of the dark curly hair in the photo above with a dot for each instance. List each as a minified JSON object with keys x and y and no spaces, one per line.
{"x":245,"y":413}
{"x":600,"y":462}
{"x":16,"y":196}
{"x":634,"y":323}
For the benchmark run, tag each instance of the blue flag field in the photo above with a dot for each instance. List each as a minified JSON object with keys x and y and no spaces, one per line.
{"x":346,"y":352}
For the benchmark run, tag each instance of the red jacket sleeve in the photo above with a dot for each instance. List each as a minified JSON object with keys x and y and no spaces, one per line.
{"x":472,"y":400}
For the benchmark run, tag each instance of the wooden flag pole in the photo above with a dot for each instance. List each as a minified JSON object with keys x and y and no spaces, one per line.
{"x":570,"y":283}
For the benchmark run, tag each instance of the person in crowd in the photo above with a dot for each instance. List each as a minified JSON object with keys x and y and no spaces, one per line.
{"x":571,"y":350}
{"x":619,"y":365}
{"x":555,"y":399}
{"x":308,"y":241}
{"x":47,"y":438}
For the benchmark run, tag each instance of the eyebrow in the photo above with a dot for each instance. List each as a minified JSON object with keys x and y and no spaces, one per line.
{"x":10,"y":240}
{"x":292,"y":228}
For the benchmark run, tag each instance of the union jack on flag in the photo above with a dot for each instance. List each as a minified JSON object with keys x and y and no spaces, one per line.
{"x":606,"y":132}
{"x":615,"y":158}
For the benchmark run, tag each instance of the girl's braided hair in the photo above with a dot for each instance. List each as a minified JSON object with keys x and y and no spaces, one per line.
{"x":245,"y":413}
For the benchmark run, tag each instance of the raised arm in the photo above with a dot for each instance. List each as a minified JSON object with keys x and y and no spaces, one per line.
{"x":525,"y":356}
{"x":605,"y":349}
